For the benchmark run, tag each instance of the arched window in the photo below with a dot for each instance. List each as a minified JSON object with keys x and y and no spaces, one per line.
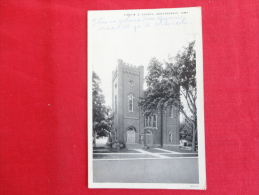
{"x":172,"y":112}
{"x":175,"y":112}
{"x":151,"y":121}
{"x":170,"y":136}
{"x":154,"y":121}
{"x":130,"y":101}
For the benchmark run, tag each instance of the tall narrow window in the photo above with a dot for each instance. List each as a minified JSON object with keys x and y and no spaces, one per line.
{"x":170,"y":136}
{"x":151,"y":121}
{"x":115,"y":104}
{"x":171,"y":111}
{"x":130,"y":99}
{"x":154,"y":121}
{"x":175,"y":112}
{"x":146,"y":121}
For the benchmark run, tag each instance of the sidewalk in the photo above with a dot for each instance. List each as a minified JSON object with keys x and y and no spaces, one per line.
{"x":184,"y":149}
{"x":134,"y":146}
{"x":130,"y":148}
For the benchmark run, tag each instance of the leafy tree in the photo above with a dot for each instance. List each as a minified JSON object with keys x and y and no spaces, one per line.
{"x":166,"y":85}
{"x":184,"y":72}
{"x":155,"y":93}
{"x":186,"y":131}
{"x":102,"y":115}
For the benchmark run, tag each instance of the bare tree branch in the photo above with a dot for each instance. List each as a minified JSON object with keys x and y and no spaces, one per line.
{"x":187,"y":100}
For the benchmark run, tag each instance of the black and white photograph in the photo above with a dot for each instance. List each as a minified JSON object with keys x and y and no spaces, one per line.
{"x":145,"y":99}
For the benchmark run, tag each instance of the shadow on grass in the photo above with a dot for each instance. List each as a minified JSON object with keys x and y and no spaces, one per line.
{"x":99,"y":156}
{"x":178,"y":149}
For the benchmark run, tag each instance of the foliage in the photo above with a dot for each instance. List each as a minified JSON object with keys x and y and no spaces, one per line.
{"x":185,"y":67}
{"x":167,"y":86}
{"x":186,"y":132}
{"x":102,"y":115}
{"x":117,"y":145}
{"x":154,"y":93}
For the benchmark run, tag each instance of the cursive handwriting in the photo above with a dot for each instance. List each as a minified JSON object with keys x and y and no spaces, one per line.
{"x":134,"y":23}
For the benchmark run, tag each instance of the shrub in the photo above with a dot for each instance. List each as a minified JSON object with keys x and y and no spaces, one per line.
{"x":117,"y":145}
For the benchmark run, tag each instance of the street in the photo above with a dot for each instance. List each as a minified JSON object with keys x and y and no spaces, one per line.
{"x":155,"y":165}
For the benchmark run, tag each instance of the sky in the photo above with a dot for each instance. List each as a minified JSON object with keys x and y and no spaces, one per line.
{"x":135,"y":39}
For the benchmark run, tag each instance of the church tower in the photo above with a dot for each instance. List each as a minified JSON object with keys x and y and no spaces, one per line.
{"x":127,"y":88}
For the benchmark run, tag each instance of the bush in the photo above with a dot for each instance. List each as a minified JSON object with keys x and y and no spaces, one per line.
{"x":117,"y":145}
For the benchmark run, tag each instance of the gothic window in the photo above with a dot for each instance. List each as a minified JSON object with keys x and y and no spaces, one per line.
{"x":172,"y":112}
{"x":146,"y":121}
{"x":154,"y":121}
{"x":130,"y":101}
{"x":151,"y":121}
{"x":170,"y":136}
{"x":175,"y":112}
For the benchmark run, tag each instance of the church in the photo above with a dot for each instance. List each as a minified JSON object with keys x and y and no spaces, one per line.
{"x":130,"y":125}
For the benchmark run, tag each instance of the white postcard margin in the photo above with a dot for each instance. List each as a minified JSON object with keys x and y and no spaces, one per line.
{"x":200,"y":111}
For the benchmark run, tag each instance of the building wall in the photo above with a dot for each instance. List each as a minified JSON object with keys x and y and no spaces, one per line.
{"x":124,"y":120}
{"x":170,"y":125}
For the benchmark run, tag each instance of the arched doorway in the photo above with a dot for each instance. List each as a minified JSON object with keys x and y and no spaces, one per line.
{"x":131,"y":135}
{"x":149,"y":138}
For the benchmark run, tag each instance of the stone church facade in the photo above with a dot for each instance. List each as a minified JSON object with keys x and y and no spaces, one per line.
{"x":130,"y":126}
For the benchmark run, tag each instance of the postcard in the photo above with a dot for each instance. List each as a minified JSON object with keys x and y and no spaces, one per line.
{"x":145,"y":99}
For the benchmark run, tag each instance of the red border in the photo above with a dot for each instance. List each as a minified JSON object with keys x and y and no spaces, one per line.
{"x":43,"y":95}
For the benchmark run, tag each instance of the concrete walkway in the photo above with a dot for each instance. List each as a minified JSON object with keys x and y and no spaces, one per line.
{"x":134,"y":146}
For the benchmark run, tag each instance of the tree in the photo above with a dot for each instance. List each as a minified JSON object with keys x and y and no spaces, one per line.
{"x":155,"y":92}
{"x":184,"y":72}
{"x":167,"y":86}
{"x":102,"y":115}
{"x":186,"y":131}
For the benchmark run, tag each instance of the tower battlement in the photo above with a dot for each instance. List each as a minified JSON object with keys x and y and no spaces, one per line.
{"x":127,"y":68}
{"x":124,"y":64}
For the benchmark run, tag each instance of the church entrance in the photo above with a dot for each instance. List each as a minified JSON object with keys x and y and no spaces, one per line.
{"x":149,"y":138}
{"x":131,"y":135}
